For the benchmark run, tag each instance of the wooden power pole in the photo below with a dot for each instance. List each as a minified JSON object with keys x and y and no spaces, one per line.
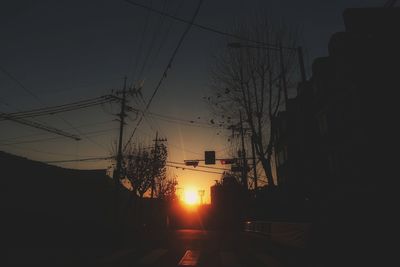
{"x":243,"y":154}
{"x":121,"y":115}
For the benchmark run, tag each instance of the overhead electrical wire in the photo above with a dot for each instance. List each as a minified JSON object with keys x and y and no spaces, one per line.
{"x":166,"y":70}
{"x":150,"y":121}
{"x":206,"y":28}
{"x":174,"y":119}
{"x":108,"y":158}
{"x":41,"y":151}
{"x":44,"y":133}
{"x":181,"y":149}
{"x":34,"y":124}
{"x":169,"y":164}
{"x":60,"y":108}
{"x":139,"y":51}
{"x":152,"y":42}
{"x":79,"y":160}
{"x":200,"y":166}
{"x":20,"y":84}
{"x":189,"y":169}
{"x":45,"y":127}
{"x":164,"y":39}
{"x":92,"y":134}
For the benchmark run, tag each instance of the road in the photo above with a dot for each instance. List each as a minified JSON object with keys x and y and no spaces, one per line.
{"x":202,"y":248}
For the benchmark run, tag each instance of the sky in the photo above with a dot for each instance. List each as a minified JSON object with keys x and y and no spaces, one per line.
{"x":57,"y":52}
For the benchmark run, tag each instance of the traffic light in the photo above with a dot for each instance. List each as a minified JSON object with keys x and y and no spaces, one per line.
{"x":228,"y":161}
{"x":209,"y":157}
{"x":193,"y":163}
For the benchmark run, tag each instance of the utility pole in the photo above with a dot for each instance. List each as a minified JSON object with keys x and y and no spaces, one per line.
{"x":254,"y":162}
{"x":243,"y":154}
{"x":301,"y":63}
{"x":153,"y":182}
{"x":201,"y":194}
{"x":283,"y":75}
{"x":121,"y":115}
{"x":118,"y":170}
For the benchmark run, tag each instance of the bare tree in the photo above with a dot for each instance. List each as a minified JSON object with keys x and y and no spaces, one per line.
{"x":146,"y":170}
{"x":250,"y":80}
{"x":139,"y":169}
{"x":166,"y":188}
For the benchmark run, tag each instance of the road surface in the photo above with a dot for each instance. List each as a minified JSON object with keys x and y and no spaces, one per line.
{"x":201,"y":248}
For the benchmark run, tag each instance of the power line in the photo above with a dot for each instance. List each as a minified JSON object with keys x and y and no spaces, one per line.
{"x":152,"y":42}
{"x":164,"y":39}
{"x":20,"y":84}
{"x":79,"y":160}
{"x":168,"y":165}
{"x":44,"y":127}
{"x":62,"y":108}
{"x":189,"y":169}
{"x":40,"y":151}
{"x":94,"y":133}
{"x":208,"y":167}
{"x":32,"y":123}
{"x":142,"y":103}
{"x":166,"y":69}
{"x":40,"y":126}
{"x":188,"y":122}
{"x":138,"y":53}
{"x":41,"y":134}
{"x":206,"y":28}
{"x":174,"y":54}
{"x":181,"y":149}
{"x":19,"y":116}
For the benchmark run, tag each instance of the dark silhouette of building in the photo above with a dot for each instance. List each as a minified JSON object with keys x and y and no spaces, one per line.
{"x":328,"y":137}
{"x":228,"y":202}
{"x":334,"y":141}
{"x":73,"y":212}
{"x":55,"y":209}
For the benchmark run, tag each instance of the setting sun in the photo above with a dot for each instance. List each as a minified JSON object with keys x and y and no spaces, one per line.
{"x":190,"y":197}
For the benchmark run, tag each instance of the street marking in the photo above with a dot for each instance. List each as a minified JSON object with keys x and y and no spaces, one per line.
{"x":229,"y":259}
{"x":268,"y":260}
{"x":153,"y":256}
{"x":190,"y":258}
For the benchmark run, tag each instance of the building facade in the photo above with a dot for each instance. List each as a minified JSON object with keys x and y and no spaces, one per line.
{"x":332,"y":140}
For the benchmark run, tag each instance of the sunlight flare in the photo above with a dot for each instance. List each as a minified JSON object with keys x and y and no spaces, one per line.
{"x":191,"y":197}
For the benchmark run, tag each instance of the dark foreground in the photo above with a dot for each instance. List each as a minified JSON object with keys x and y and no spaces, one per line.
{"x":188,"y":247}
